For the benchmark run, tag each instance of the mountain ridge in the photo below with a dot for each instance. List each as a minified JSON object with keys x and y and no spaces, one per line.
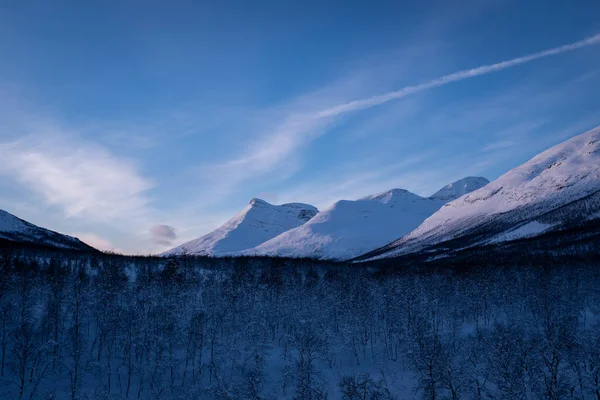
{"x":524,"y":202}
{"x":256,"y":223}
{"x":349,"y":228}
{"x":18,"y":231}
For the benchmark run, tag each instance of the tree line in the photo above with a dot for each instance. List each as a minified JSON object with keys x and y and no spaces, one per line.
{"x":113,"y":327}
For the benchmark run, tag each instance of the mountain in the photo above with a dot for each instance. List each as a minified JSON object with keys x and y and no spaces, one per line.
{"x":351,"y":228}
{"x":255,"y":224}
{"x":556,"y":190}
{"x":457,"y":189}
{"x":15,"y":232}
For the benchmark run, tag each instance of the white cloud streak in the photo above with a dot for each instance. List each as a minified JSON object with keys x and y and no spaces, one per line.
{"x":499,"y":145}
{"x":454,"y":77}
{"x":272,"y":152}
{"x":297,"y":129}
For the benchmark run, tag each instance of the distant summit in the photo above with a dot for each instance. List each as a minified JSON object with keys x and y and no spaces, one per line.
{"x":459,"y":188}
{"x":393,"y":196}
{"x":350,"y":228}
{"x":258,"y":222}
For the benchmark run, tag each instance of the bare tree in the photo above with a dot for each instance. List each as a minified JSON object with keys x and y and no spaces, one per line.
{"x":310,"y":347}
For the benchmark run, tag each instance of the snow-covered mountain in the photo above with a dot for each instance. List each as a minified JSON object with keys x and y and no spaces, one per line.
{"x":14,"y":229}
{"x":351,"y":228}
{"x":457,"y":189}
{"x":255,"y":224}
{"x":555,"y":190}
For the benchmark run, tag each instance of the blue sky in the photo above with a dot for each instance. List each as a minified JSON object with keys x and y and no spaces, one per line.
{"x":136,"y":125}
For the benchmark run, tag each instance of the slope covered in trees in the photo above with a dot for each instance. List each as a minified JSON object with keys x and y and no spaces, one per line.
{"x":89,"y":327}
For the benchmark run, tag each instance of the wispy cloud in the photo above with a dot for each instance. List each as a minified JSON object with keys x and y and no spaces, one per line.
{"x":514,"y":134}
{"x":454,"y":77}
{"x":265,"y":154}
{"x":272,"y":137}
{"x":80,"y":178}
{"x":299,"y":128}
{"x":503,"y":144}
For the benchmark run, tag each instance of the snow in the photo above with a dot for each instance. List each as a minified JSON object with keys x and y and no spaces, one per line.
{"x":530,"y":229}
{"x":558,"y":176}
{"x":16,"y":229}
{"x":258,"y":222}
{"x":11,"y":224}
{"x":460,"y":188}
{"x":351,"y":228}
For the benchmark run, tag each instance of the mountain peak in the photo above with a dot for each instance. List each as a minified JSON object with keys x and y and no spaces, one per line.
{"x":259,"y":202}
{"x":258,"y":222}
{"x":352,"y":227}
{"x":454,"y":190}
{"x":392,"y":196}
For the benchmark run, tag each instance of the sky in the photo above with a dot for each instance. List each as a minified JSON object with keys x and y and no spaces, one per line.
{"x":136,"y":125}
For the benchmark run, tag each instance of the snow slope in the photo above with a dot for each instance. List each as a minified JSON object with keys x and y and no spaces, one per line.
{"x":351,"y":228}
{"x":530,"y":229}
{"x":457,"y":189}
{"x":255,"y":224}
{"x":17,"y":230}
{"x":557,"y":186}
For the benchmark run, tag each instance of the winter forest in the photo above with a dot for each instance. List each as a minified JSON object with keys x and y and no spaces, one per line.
{"x":111,"y":327}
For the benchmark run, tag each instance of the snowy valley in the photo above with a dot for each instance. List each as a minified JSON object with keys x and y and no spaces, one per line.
{"x":299,"y":200}
{"x":226,"y":317}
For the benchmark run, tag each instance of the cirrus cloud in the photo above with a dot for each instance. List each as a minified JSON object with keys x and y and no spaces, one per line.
{"x":298,"y":127}
{"x":80,"y":178}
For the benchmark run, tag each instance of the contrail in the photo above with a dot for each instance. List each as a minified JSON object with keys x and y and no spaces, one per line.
{"x":456,"y":76}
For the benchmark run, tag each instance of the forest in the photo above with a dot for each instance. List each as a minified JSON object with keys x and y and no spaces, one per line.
{"x":102,"y":326}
